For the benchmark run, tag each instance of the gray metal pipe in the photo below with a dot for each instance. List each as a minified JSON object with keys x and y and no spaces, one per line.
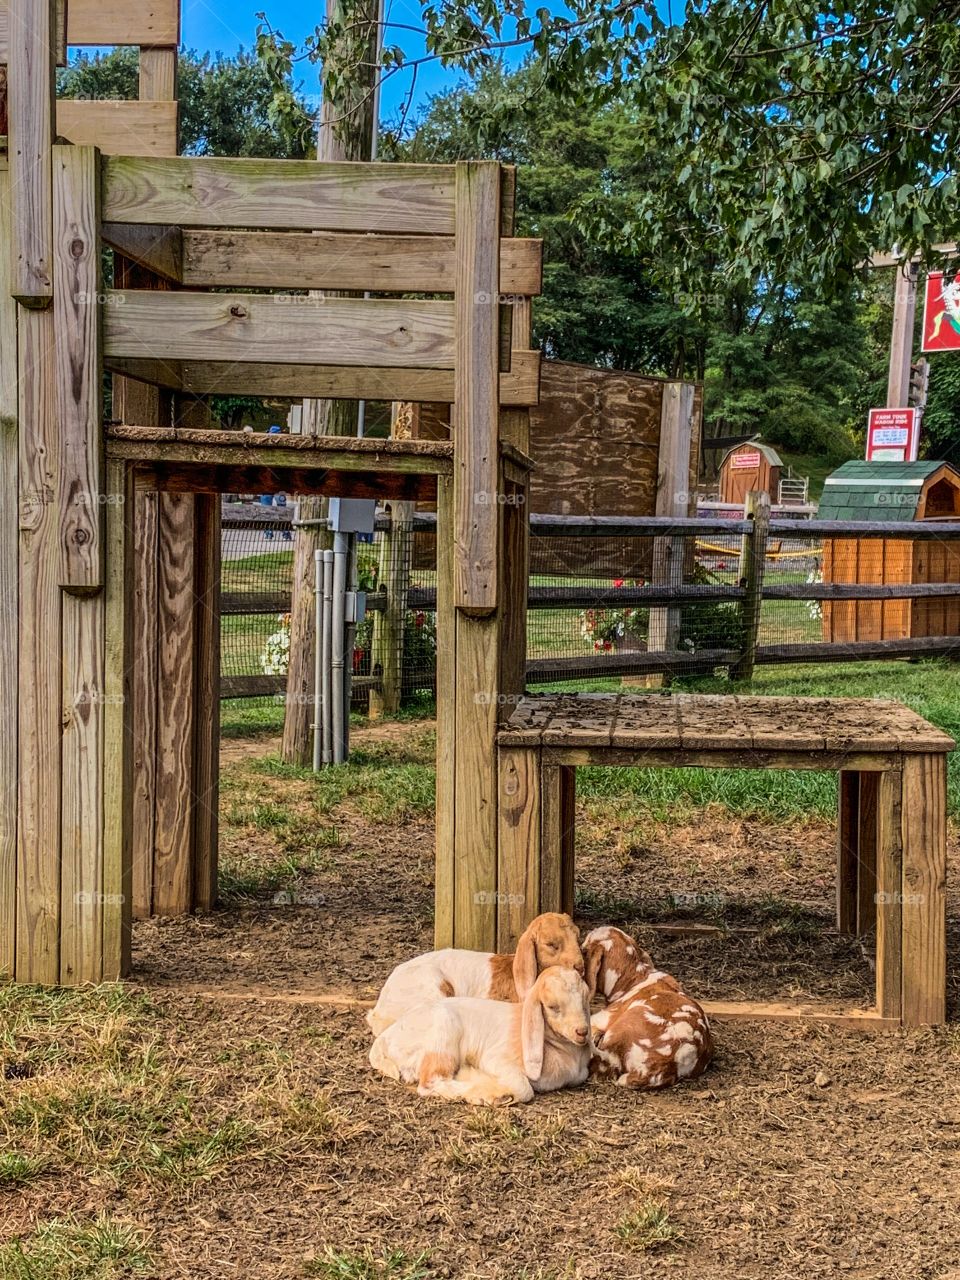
{"x":326,"y":637}
{"x":318,"y":660}
{"x":338,"y":634}
{"x":350,"y":640}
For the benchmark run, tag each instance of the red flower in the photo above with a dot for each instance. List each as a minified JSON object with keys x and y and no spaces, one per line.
{"x":618,"y":582}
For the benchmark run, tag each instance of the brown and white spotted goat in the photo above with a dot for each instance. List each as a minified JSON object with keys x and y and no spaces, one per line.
{"x":651,"y":1033}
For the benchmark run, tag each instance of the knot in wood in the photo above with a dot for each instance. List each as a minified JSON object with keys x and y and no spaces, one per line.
{"x":77,"y":247}
{"x":238,"y":311}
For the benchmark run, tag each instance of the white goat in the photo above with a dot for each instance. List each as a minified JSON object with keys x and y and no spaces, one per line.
{"x":489,"y":1051}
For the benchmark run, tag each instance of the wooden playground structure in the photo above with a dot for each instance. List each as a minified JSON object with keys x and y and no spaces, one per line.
{"x":109,"y":568}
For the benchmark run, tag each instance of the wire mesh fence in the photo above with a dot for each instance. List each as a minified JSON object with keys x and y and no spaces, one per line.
{"x":608,"y":601}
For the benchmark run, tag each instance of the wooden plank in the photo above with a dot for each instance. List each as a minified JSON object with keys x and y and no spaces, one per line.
{"x":38,"y":834}
{"x":79,"y":374}
{"x":82,"y":795}
{"x":848,"y":849}
{"x":158,"y":75}
{"x":280,"y":329}
{"x":187,"y":477}
{"x":173,"y":871}
{"x":551,"y":835}
{"x":889,"y":895}
{"x":224,"y":377}
{"x":144,"y":717}
{"x":857,"y":651}
{"x":568,"y":833}
{"x":118,"y":758}
{"x":445,"y":875}
{"x":206,"y":760}
{"x":328,"y":260}
{"x":749,"y":758}
{"x":672,"y":499}
{"x":9,"y":587}
{"x":127,"y":128}
{"x":116,"y":22}
{"x":768,"y":1011}
{"x":158,"y":249}
{"x":753,"y":560}
{"x":475,"y":417}
{"x":924,"y":827}
{"x":32,"y":26}
{"x":296,"y":194}
{"x":514,"y":568}
{"x":867,"y":846}
{"x":518,"y":852}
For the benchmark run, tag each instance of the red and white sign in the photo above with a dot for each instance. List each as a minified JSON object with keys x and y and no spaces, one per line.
{"x":892,"y":435}
{"x":745,"y":461}
{"x":941,"y":313}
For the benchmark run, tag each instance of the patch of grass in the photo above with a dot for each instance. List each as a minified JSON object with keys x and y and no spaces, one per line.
{"x":396,"y":1265}
{"x":385,"y":782}
{"x":648,"y":1228}
{"x":195,"y":1156}
{"x":17,"y":1169}
{"x":70,"y":1249}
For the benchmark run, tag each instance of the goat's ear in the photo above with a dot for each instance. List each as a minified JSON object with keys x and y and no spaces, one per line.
{"x":593,"y":955}
{"x":531,"y":1036}
{"x":525,"y":962}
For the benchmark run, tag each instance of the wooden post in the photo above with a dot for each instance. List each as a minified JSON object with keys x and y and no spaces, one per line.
{"x":206,"y":747}
{"x":9,"y":578}
{"x":889,"y":895}
{"x":518,"y":876}
{"x":753,"y":558}
{"x":924,"y":835}
{"x":445,"y":877}
{"x":901,"y":340}
{"x":557,"y":834}
{"x":848,"y":815}
{"x":396,"y":557}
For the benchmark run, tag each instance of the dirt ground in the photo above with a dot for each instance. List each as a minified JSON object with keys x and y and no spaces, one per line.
{"x":804,"y":1152}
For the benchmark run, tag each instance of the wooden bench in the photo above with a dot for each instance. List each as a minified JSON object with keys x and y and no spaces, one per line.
{"x":891,"y":847}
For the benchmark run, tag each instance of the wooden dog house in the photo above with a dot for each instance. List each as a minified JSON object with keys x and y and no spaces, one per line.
{"x":906,"y":493}
{"x":748,"y":467}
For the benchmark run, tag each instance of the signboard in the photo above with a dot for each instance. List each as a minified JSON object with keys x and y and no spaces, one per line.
{"x":892,"y":435}
{"x":744,"y":461}
{"x":941,"y":313}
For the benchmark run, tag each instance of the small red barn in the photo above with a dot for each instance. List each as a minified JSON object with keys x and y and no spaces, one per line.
{"x":749,"y":466}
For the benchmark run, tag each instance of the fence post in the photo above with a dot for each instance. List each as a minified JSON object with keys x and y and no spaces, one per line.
{"x":386,"y":658}
{"x":753,"y":556}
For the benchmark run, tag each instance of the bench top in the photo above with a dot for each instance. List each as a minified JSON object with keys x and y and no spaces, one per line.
{"x":696,"y":721}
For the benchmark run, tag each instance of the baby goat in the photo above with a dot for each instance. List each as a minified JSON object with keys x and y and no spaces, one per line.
{"x":552,"y":939}
{"x":650,"y":1034}
{"x":490,"y":1052}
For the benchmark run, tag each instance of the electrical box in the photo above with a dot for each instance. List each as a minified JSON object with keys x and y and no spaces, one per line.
{"x":351,"y":515}
{"x":355,"y":606}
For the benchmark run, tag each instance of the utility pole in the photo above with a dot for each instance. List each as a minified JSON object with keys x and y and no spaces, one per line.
{"x":901,"y":341}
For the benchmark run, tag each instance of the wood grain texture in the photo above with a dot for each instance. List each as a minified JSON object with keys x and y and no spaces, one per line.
{"x":173,"y":873}
{"x":118,"y":756}
{"x":82,"y":795}
{"x":328,"y":260}
{"x":867,"y":845}
{"x":518,"y":849}
{"x":9,"y":587}
{"x":279,"y":329}
{"x":158,"y":249}
{"x":38,"y":834}
{"x":158,"y":75}
{"x":127,"y":128}
{"x":4,"y":32}
{"x":848,"y":850}
{"x":924,"y":828}
{"x":114,"y":22}
{"x":32,"y":28}
{"x":445,"y":874}
{"x":79,"y":374}
{"x":206,"y":758}
{"x":295,"y":194}
{"x":210,"y":478}
{"x":475,"y":411}
{"x":144,"y":691}
{"x":889,"y":895}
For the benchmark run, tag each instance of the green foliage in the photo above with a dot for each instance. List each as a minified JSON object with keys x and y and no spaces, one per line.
{"x":941,"y":421}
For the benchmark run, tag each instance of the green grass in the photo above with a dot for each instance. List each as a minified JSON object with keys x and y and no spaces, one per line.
{"x":71,"y":1249}
{"x":17,"y":1169}
{"x":396,"y":1265}
{"x":648,"y":1227}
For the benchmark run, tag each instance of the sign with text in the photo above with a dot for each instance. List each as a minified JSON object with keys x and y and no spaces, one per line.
{"x":745,"y":461}
{"x":892,"y":435}
{"x":941,"y":313}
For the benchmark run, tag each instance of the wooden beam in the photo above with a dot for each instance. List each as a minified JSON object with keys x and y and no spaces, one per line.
{"x":158,"y":75}
{"x":848,"y":849}
{"x":889,"y":895}
{"x":79,"y":374}
{"x":205,"y":377}
{"x":206,"y":697}
{"x":518,"y":844}
{"x":159,"y":249}
{"x":209,"y":478}
{"x":9,"y":587}
{"x":31,"y":115}
{"x":771,"y":1011}
{"x":901,"y":340}
{"x":328,"y":260}
{"x":445,"y":876}
{"x":924,"y":833}
{"x":119,"y":22}
{"x":295,"y":194}
{"x":281,"y":329}
{"x":144,"y":692}
{"x":475,"y":416}
{"x":127,"y":128}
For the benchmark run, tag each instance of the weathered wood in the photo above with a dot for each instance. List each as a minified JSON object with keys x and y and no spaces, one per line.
{"x":121,"y":128}
{"x":861,"y":590}
{"x":518,"y":853}
{"x":848,"y":849}
{"x":575,"y":526}
{"x":769,"y":1011}
{"x":476,"y":423}
{"x":186,"y":477}
{"x":114,"y":22}
{"x":173,"y":872}
{"x":867,"y":846}
{"x":280,"y":329}
{"x":889,"y":893}
{"x":550,"y":670}
{"x":386,"y":657}
{"x":753,"y":559}
{"x":82,"y":791}
{"x":206,"y":695}
{"x":79,"y":374}
{"x":118,"y":757}
{"x":209,"y":377}
{"x":257,"y":602}
{"x":924,"y":826}
{"x":514,"y":568}
{"x":38,"y":833}
{"x":445,"y":889}
{"x":672,"y":499}
{"x":144,"y":691}
{"x":901,"y":339}
{"x":158,"y":75}
{"x":296,"y":194}
{"x":328,"y":260}
{"x":857,"y":651}
{"x":158,"y":249}
{"x":32,"y":27}
{"x":715,"y":758}
{"x":9,"y":583}
{"x":815,"y":530}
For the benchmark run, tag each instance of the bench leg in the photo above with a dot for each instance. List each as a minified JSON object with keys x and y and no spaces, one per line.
{"x":557,"y":838}
{"x":888,"y":898}
{"x":924,"y":827}
{"x":518,"y":852}
{"x":857,"y":851}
